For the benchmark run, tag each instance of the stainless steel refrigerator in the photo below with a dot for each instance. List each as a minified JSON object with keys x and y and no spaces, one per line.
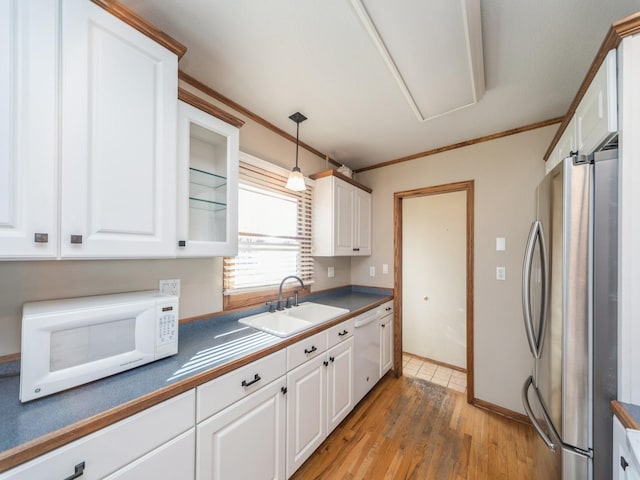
{"x":570,"y":309}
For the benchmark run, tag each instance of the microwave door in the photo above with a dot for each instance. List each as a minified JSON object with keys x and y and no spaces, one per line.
{"x":64,"y":349}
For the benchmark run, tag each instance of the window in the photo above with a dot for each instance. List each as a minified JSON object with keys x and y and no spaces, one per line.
{"x":274,"y":233}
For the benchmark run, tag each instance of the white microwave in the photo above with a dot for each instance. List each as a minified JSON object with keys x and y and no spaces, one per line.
{"x":69,"y":342}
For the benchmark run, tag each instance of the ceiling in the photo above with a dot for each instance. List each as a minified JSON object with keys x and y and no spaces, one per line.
{"x":276,"y":57}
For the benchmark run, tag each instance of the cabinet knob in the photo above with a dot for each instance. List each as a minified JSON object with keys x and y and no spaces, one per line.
{"x":283,"y":390}
{"x":41,"y":237}
{"x":182,"y":243}
{"x":326,"y":364}
{"x":333,"y":359}
{"x":76,"y":239}
{"x":383,"y":325}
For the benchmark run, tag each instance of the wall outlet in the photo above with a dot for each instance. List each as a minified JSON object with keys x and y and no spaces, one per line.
{"x":501,"y":273}
{"x":372,"y":271}
{"x":171,"y":287}
{"x":385,"y":268}
{"x":331,"y":272}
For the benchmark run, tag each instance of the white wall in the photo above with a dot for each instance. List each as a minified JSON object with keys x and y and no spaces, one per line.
{"x":201,"y":279}
{"x":506,"y":172}
{"x":434,"y":245}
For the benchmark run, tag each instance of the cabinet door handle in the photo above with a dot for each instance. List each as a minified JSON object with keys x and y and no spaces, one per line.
{"x":356,"y":249}
{"x":623,"y":463}
{"x":76,"y":239}
{"x":333,"y":359}
{"x":77,"y":472}
{"x":41,"y":237}
{"x":343,"y":333}
{"x":256,"y":378}
{"x":182,"y":243}
{"x":313,"y":349}
{"x":326,"y":364}
{"x":283,"y":390}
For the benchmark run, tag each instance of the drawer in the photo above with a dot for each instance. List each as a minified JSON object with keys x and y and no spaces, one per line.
{"x":173,"y":460}
{"x":115,"y":446}
{"x":227,"y":389}
{"x":385,"y":308}
{"x":306,"y":349}
{"x":340,"y":332}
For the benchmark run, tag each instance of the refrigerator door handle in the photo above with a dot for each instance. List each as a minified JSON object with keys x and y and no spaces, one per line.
{"x":536,"y":234}
{"x":545,"y":438}
{"x":527,"y":408}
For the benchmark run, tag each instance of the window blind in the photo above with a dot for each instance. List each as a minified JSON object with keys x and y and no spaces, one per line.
{"x":274,"y":238}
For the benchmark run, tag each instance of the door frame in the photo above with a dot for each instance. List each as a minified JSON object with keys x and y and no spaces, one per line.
{"x":398,"y":198}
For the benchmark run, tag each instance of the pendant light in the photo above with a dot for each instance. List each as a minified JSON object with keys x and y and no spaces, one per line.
{"x":296,"y":180}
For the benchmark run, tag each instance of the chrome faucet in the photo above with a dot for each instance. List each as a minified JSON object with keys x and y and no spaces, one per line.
{"x":280,"y":307}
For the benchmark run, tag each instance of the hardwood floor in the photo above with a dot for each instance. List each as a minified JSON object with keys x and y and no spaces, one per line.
{"x":407,"y":428}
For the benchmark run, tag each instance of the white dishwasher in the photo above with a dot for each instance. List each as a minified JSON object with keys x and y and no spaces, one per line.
{"x":367,"y":351}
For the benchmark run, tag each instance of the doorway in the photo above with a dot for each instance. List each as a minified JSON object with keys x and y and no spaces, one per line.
{"x":407,"y":206}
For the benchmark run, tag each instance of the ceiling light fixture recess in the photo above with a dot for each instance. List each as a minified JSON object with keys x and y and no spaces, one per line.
{"x":296,"y":180}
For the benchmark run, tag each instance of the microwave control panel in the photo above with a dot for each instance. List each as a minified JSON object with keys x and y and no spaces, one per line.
{"x":167,"y":329}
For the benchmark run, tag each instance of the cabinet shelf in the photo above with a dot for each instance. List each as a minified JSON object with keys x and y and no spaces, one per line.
{"x":209,"y":205}
{"x":206,"y":179}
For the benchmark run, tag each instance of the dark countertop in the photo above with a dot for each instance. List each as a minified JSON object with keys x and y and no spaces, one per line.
{"x":198,"y":353}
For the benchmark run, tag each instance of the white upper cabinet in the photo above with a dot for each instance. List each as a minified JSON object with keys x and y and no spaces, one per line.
{"x":595,"y":121}
{"x":28,"y":129}
{"x":118,"y":142}
{"x":207,"y":184}
{"x":597,"y":115}
{"x":341,"y":216}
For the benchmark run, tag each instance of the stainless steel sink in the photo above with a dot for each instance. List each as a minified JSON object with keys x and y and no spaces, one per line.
{"x":288,"y":322}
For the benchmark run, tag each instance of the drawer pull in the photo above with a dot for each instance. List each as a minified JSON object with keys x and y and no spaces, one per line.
{"x":343,"y":333}
{"x":182,"y":243}
{"x":256,"y":378}
{"x":41,"y":237}
{"x":78,"y":471}
{"x":313,"y":349}
{"x":76,"y":240}
{"x":388,"y":308}
{"x":623,"y":463}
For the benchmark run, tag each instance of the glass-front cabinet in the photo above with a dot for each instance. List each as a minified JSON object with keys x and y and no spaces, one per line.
{"x":207,"y":184}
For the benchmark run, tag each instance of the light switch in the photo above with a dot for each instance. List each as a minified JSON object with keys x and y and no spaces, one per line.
{"x":331,"y":272}
{"x":385,"y":268}
{"x":372,"y":271}
{"x":501,"y":244}
{"x":501,"y":273}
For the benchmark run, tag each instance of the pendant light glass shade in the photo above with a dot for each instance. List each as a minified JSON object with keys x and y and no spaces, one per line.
{"x":296,"y":180}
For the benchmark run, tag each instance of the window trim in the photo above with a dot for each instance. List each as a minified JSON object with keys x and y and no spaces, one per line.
{"x":260,"y":295}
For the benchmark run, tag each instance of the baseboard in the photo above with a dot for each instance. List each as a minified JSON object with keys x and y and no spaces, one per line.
{"x":497,"y":409}
{"x":10,"y":358}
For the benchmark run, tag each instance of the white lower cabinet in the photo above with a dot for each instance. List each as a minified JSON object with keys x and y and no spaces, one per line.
{"x":320,"y":391}
{"x":624,"y":467}
{"x":386,"y":344}
{"x":340,"y":386}
{"x":137,"y":443}
{"x":245,"y":440}
{"x":306,"y":411}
